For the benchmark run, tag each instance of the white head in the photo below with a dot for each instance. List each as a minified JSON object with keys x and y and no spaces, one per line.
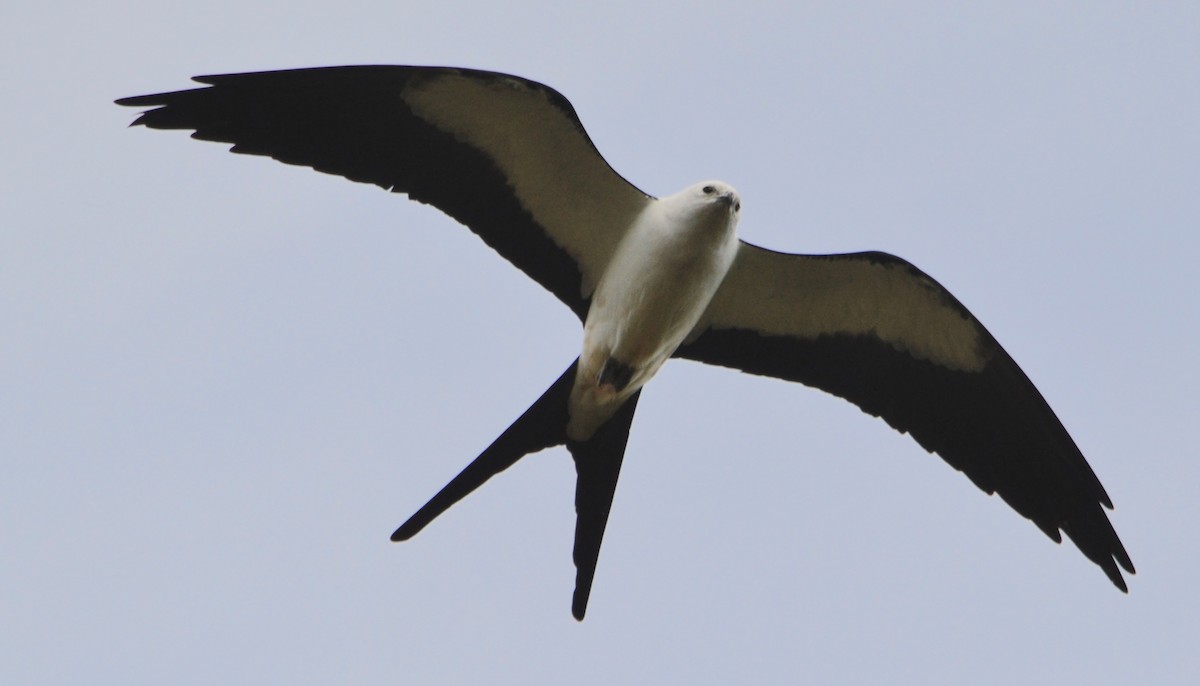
{"x":717,"y":192}
{"x":707,"y":201}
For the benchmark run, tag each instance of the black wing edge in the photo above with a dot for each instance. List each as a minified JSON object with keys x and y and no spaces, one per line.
{"x":992,"y":425}
{"x":353,"y":122}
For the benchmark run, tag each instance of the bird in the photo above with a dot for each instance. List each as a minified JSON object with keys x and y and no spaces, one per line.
{"x":655,"y":278}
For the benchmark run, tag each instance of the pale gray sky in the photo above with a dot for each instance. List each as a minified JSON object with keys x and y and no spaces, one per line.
{"x":223,"y":381}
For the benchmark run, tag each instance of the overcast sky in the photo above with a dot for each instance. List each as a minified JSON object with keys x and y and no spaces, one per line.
{"x":224,"y":381}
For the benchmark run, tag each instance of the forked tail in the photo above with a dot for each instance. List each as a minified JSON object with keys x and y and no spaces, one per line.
{"x":597,"y":466}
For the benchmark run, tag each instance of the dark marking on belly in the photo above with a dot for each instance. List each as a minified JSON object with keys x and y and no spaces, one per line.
{"x":615,"y":374}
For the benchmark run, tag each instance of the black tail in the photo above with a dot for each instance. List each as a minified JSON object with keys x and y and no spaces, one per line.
{"x":597,"y":465}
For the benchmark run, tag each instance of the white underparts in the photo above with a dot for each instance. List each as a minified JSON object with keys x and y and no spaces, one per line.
{"x":650,"y":296}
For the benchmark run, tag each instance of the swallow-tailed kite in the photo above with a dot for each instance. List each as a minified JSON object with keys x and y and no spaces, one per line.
{"x":655,"y":278}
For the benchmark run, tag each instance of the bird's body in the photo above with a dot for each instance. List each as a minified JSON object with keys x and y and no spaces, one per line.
{"x":651,"y":295}
{"x":653,"y":279}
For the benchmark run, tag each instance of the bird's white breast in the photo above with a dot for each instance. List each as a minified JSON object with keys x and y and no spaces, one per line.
{"x":653,"y":291}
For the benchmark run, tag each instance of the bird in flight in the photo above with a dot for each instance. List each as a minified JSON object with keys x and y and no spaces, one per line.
{"x":655,"y":278}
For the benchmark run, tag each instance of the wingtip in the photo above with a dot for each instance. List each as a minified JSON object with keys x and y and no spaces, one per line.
{"x":140,"y":100}
{"x":1114,"y":574}
{"x":134,"y":101}
{"x":1119,"y":582}
{"x":1126,"y":563}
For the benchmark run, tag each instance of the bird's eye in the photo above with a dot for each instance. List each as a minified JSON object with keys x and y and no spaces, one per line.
{"x":737,"y":206}
{"x":708,"y":190}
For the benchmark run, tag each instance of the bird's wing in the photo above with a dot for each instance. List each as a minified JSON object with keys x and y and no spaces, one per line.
{"x":505,"y":156}
{"x":875,"y":330}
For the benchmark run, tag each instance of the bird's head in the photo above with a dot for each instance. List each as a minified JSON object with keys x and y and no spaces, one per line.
{"x":719,"y":193}
{"x":708,"y":203}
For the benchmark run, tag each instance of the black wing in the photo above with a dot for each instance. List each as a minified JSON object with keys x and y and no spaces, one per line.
{"x":875,"y":330}
{"x":505,"y":156}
